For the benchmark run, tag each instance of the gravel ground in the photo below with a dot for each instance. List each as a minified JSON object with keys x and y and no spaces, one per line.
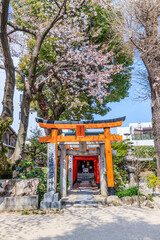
{"x":103,"y":223}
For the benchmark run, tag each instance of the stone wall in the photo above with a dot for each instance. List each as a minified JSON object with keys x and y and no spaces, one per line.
{"x":18,"y":194}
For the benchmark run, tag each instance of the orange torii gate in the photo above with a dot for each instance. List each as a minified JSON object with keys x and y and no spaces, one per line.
{"x":80,"y":137}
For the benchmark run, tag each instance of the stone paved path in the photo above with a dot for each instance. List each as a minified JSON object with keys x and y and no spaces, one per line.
{"x":103,"y":223}
{"x":85,"y":196}
{"x":83,"y":191}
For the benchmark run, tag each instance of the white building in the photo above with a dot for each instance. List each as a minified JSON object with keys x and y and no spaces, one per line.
{"x":138,"y":133}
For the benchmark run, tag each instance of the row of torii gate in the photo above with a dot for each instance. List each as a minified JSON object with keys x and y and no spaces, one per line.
{"x":103,"y":151}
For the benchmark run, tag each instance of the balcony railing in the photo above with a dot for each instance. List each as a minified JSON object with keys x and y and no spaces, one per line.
{"x":147,"y":136}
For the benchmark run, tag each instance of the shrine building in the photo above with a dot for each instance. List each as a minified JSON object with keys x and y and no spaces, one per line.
{"x":83,"y":156}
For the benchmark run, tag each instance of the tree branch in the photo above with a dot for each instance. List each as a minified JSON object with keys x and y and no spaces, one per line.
{"x":21,"y":28}
{"x":57,"y":4}
{"x":45,"y":70}
{"x":136,"y":45}
{"x":21,"y":73}
{"x":57,"y":18}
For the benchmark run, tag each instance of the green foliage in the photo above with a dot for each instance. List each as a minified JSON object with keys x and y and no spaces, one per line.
{"x":34,"y":149}
{"x":118,"y":162}
{"x":4,"y":124}
{"x":153,"y":181}
{"x":144,"y":151}
{"x":118,"y":182}
{"x":128,"y":192}
{"x":28,"y":169}
{"x":25,"y":213}
{"x":151,"y":198}
{"x":5,"y":171}
{"x":121,"y":147}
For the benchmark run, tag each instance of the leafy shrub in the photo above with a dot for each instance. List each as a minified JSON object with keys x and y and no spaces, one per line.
{"x":118,"y":161}
{"x":128,"y":192}
{"x":144,"y":151}
{"x":28,"y":169}
{"x":153,"y":181}
{"x":35,"y":150}
{"x":118,"y":182}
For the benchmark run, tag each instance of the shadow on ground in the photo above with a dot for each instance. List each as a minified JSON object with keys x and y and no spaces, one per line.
{"x":105,"y":223}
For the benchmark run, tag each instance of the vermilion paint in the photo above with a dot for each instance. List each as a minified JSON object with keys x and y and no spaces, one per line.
{"x":86,"y":158}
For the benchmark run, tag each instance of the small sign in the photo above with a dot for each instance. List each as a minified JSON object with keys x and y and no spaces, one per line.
{"x":85,"y":170}
{"x":80,"y":130}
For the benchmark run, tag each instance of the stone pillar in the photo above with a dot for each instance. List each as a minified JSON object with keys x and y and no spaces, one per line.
{"x":63,"y":175}
{"x":131,"y":167}
{"x":51,"y":167}
{"x":103,"y":177}
{"x":131,"y":175}
{"x":51,"y":197}
{"x":70,"y":172}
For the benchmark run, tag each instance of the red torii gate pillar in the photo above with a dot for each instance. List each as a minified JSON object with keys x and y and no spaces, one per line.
{"x":109,"y":162}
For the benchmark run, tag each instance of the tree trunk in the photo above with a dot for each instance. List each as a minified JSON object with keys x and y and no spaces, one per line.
{"x":155,"y":94}
{"x":153,"y":69}
{"x":4,"y":124}
{"x":6,"y":117}
{"x":22,"y":132}
{"x":8,"y":63}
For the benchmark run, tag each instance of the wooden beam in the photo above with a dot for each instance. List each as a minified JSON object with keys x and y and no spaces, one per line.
{"x":115,"y":137}
{"x":69,"y":139}
{"x":46,"y":139}
{"x":88,"y":126}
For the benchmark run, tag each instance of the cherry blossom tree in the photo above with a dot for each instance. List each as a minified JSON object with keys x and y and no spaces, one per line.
{"x":80,"y":67}
{"x":80,"y":81}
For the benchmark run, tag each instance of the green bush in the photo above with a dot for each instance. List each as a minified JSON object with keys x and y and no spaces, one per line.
{"x":144,"y":151}
{"x":153,"y":181}
{"x":28,"y":169}
{"x":118,"y":182}
{"x":128,"y":192}
{"x":118,"y":160}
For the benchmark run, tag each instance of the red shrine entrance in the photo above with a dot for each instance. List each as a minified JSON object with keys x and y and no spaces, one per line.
{"x":86,"y":165}
{"x":73,"y":160}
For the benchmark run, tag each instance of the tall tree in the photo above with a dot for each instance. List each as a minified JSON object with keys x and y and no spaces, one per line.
{"x":142,"y":18}
{"x":6,"y":117}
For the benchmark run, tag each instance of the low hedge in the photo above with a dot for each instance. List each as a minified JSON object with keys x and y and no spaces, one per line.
{"x":128,"y":192}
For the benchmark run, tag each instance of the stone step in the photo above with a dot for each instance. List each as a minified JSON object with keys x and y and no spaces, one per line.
{"x":85,"y":205}
{"x":76,"y":202}
{"x":84,"y":179}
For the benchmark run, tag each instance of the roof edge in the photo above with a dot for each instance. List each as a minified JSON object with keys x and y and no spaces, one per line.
{"x":80,"y":122}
